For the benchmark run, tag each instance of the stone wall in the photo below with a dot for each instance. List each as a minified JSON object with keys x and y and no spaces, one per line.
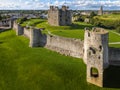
{"x":15,"y":25}
{"x":18,"y":28}
{"x":27,"y":32}
{"x":66,"y":46}
{"x":114,"y":56}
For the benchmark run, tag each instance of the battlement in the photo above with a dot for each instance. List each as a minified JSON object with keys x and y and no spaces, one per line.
{"x":53,"y":8}
{"x":64,"y":8}
{"x":96,"y":30}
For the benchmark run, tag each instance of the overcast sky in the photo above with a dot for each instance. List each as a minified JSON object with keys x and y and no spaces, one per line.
{"x":73,"y":4}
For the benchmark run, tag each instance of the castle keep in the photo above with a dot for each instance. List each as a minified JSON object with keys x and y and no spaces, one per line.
{"x":59,"y":17}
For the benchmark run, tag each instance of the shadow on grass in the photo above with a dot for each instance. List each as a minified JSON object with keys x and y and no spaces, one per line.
{"x":1,"y":42}
{"x":112,"y":77}
{"x":78,"y":26}
{"x":38,"y":22}
{"x":4,"y":30}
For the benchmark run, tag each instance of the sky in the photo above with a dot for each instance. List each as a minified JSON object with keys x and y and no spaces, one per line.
{"x":73,"y":4}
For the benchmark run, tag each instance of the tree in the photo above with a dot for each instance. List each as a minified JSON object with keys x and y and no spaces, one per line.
{"x":92,"y":14}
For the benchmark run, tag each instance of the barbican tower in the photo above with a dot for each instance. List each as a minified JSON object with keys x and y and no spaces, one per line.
{"x":96,"y":54}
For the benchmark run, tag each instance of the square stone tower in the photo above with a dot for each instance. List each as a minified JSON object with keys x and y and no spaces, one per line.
{"x":96,"y":54}
{"x":100,"y":12}
{"x":59,"y":17}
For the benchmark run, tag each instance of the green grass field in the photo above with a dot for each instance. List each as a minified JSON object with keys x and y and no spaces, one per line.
{"x":114,"y":37}
{"x":109,"y":17}
{"x":24,"y":68}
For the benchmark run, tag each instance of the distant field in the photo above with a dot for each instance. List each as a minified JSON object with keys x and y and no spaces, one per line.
{"x":24,"y":68}
{"x":109,"y":17}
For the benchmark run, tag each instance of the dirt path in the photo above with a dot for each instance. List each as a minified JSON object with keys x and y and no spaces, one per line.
{"x":115,"y":43}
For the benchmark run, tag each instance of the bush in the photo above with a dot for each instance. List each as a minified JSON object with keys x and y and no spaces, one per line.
{"x":82,"y":18}
{"x":21,"y":20}
{"x":92,"y":14}
{"x":108,"y":24}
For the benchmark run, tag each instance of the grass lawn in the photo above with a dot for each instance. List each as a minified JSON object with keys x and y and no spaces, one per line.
{"x":114,"y":37}
{"x":24,"y":68}
{"x":109,"y":17}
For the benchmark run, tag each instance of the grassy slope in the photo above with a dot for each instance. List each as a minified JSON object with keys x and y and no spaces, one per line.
{"x":24,"y":68}
{"x":114,"y":37}
{"x":110,"y":17}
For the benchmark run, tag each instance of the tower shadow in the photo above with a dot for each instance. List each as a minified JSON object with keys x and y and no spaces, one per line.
{"x":112,"y":77}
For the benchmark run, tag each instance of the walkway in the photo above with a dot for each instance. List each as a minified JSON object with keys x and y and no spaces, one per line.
{"x":115,"y":43}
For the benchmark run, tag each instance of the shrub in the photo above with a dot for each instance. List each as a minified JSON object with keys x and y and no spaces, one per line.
{"x":82,"y":18}
{"x":21,"y":20}
{"x":105,"y":23}
{"x":92,"y":14}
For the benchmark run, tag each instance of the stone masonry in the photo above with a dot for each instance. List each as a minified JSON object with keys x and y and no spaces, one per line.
{"x":59,"y":17}
{"x":96,"y":54}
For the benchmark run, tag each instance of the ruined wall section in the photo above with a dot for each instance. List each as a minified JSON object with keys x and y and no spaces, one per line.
{"x":66,"y":46}
{"x":69,"y":46}
{"x":15,"y":25}
{"x":27,"y":32}
{"x":18,"y":28}
{"x":97,"y":54}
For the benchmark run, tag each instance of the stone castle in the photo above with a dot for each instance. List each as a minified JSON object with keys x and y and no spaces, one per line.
{"x":59,"y":17}
{"x":93,"y":49}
